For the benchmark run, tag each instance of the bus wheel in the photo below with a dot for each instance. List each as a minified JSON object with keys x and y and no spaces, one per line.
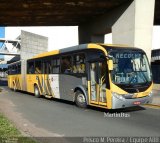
{"x":80,"y":99}
{"x":14,"y":87}
{"x":36,"y":91}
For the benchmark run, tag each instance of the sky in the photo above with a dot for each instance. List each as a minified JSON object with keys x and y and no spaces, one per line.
{"x":156,"y":37}
{"x":2,"y":35}
{"x":66,"y":36}
{"x":58,"y":37}
{"x":2,"y":32}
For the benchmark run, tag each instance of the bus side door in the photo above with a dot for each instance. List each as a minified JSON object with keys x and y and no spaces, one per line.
{"x":97,"y":86}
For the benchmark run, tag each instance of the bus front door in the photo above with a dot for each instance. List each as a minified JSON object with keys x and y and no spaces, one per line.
{"x":97,"y":83}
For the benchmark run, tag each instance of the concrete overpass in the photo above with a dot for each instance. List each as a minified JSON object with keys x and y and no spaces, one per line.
{"x":60,"y":12}
{"x":12,"y":49}
{"x":130,"y":21}
{"x":24,"y":47}
{"x":10,"y":54}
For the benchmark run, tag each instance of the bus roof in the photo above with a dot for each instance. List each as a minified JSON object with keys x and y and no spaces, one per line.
{"x":55,"y":52}
{"x":80,"y":47}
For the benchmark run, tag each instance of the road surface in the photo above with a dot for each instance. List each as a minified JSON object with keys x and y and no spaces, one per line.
{"x":44,"y":117}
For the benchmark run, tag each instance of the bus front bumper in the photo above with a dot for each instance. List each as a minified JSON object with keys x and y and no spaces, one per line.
{"x":123,"y":103}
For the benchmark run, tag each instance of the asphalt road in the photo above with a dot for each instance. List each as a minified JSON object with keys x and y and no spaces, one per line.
{"x":65,"y":119}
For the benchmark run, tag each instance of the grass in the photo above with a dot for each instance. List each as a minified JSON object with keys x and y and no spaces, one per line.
{"x":7,"y":129}
{"x":9,"y":133}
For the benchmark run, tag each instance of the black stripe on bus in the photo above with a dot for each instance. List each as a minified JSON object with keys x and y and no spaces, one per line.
{"x":39,"y":84}
{"x":19,"y":86}
{"x":49,"y":86}
{"x":46,"y":87}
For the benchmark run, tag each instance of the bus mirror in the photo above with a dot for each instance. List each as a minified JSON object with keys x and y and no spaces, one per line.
{"x":110,"y":65}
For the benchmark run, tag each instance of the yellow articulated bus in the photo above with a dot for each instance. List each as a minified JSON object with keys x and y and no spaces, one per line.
{"x":107,"y":76}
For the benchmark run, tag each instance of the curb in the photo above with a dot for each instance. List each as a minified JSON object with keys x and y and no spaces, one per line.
{"x":153,"y":105}
{"x":155,"y":91}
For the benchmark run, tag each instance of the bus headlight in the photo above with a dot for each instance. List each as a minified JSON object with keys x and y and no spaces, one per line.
{"x":119,"y":96}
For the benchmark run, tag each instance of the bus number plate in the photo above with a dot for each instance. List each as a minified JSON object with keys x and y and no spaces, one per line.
{"x":136,"y":102}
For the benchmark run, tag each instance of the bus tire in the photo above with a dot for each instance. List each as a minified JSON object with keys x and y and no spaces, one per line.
{"x":80,"y":99}
{"x":14,"y":87}
{"x":36,"y":91}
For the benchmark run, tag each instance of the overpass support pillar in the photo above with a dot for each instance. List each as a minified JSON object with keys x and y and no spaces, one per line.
{"x":86,"y":35}
{"x":134,"y":26}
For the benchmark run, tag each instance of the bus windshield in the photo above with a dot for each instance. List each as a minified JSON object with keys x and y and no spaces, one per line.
{"x":130,"y":67}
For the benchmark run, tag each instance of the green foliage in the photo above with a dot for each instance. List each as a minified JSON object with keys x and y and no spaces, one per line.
{"x":9,"y":133}
{"x":7,"y":129}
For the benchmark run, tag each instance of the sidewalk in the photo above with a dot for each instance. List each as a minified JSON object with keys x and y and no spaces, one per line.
{"x":156,"y":97}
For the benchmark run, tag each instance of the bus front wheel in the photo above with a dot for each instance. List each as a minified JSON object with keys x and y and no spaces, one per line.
{"x":36,"y":91}
{"x":80,"y":99}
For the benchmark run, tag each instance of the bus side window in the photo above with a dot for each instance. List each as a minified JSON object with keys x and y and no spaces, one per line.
{"x":66,"y":64}
{"x":14,"y":69}
{"x":48,"y":67}
{"x":30,"y":67}
{"x":11,"y":68}
{"x":79,"y":63}
{"x":55,"y":66}
{"x":38,"y":67}
{"x":19,"y":68}
{"x":8,"y":70}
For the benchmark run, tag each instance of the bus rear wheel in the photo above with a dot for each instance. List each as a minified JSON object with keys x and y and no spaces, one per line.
{"x":80,"y":99}
{"x":36,"y":91}
{"x":14,"y":87}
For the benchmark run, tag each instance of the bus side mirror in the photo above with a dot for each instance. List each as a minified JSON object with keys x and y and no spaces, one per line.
{"x":110,"y":65}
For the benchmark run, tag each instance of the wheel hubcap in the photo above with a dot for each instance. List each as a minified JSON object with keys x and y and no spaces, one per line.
{"x":81,"y":98}
{"x":36,"y":91}
{"x":14,"y":88}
